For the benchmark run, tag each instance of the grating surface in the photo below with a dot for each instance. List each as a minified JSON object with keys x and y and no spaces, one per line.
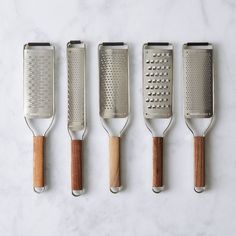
{"x":38,"y":83}
{"x":157,"y":82}
{"x":76,"y":97}
{"x":113,"y":71}
{"x":198,"y":83}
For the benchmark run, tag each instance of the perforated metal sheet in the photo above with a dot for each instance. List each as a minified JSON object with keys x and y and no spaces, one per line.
{"x":198,"y":81}
{"x":113,"y":76}
{"x":157,"y":80}
{"x":38,"y":81}
{"x":76,"y":90}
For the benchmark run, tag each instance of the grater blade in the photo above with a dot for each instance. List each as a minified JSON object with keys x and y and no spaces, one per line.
{"x":38,"y":80}
{"x":198,"y":80}
{"x":76,"y":85}
{"x":113,"y":77}
{"x":157,"y":80}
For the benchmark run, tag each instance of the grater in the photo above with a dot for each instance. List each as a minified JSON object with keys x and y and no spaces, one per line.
{"x":157,"y":100}
{"x":76,"y":110}
{"x":198,"y":101}
{"x":39,"y":101}
{"x":114,"y":101}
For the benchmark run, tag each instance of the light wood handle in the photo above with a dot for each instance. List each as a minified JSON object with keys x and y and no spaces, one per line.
{"x":199,"y":162}
{"x":38,"y":172}
{"x":157,"y":180}
{"x":114,"y":151}
{"x":76,"y":165}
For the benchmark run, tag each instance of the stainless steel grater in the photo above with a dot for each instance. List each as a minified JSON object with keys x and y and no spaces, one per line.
{"x":157,"y":100}
{"x":76,"y":110}
{"x":39,"y":101}
{"x":114,"y":101}
{"x":198,"y":101}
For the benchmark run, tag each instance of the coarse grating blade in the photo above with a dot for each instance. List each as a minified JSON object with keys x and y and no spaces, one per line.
{"x":157,"y":101}
{"x":198,"y":81}
{"x":157,"y":80}
{"x":113,"y":74}
{"x":38,"y":81}
{"x":76,"y":88}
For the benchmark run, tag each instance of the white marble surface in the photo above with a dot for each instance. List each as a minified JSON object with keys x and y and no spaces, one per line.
{"x":136,"y":210}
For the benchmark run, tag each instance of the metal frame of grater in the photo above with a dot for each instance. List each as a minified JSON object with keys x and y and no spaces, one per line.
{"x":157,"y":100}
{"x":38,"y":110}
{"x":114,"y":104}
{"x":198,"y":63}
{"x":76,"y":66}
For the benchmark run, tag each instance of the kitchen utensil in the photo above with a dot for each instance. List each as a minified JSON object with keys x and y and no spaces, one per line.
{"x":39,"y":101}
{"x":114,"y":101}
{"x":198,"y":101}
{"x":76,"y":110}
{"x":157,"y":100}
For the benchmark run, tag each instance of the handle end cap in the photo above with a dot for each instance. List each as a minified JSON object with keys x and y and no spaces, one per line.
{"x":39,"y":189}
{"x":157,"y":189}
{"x":77,"y":193}
{"x":199,"y":189}
{"x":115,"y":189}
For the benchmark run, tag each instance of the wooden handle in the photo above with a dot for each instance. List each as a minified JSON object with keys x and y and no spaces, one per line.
{"x":199,"y":161}
{"x":114,"y":151}
{"x":76,"y":165}
{"x":38,"y":172}
{"x":157,"y":180}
